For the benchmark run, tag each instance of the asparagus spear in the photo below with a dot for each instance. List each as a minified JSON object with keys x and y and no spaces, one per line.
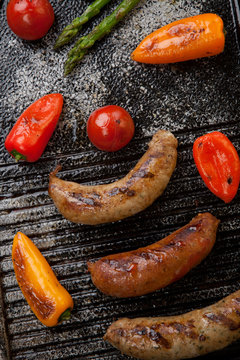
{"x":71,"y":30}
{"x":84,"y":43}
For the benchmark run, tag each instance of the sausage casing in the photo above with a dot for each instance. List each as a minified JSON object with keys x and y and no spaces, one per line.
{"x":147,"y":269}
{"x":125,"y":197}
{"x":179,"y":337}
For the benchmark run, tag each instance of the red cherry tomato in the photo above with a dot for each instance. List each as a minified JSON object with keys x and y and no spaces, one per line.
{"x":30,"y":19}
{"x":110,"y":128}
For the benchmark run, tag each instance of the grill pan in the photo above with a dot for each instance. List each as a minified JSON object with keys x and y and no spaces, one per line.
{"x":188,"y":99}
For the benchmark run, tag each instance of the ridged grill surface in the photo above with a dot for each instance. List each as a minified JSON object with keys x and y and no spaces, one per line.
{"x":188,"y":99}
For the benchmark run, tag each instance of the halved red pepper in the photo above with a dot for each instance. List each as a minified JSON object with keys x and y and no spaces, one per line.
{"x":218,"y":163}
{"x":33,"y":129}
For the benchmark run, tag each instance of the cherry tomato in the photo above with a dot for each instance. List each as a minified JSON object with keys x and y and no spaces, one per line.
{"x":110,"y":128}
{"x":30,"y":19}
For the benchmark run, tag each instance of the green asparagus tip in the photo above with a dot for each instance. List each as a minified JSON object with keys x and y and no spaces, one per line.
{"x":65,"y":38}
{"x":72,"y":62}
{"x":67,"y":71}
{"x":71,"y":30}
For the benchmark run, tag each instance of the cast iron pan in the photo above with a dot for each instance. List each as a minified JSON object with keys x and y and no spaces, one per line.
{"x":188,"y":99}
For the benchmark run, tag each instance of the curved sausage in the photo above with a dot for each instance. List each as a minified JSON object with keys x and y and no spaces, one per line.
{"x":118,"y":200}
{"x":147,"y":269}
{"x":179,"y":337}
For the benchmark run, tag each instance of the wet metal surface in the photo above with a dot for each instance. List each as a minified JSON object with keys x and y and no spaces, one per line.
{"x":188,"y":99}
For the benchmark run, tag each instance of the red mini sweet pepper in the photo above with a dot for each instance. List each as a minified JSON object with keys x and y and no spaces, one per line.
{"x":218,"y":163}
{"x":33,"y":129}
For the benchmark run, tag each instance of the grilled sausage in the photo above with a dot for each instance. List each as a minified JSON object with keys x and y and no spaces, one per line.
{"x":147,"y":269}
{"x":118,"y":200}
{"x":179,"y":337}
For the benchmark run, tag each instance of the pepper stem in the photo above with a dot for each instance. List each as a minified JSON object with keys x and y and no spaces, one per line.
{"x":65,"y":315}
{"x":17,"y":155}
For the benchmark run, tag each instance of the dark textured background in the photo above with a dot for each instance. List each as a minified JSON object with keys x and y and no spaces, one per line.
{"x":189,"y":99}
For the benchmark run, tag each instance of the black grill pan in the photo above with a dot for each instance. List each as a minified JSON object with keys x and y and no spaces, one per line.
{"x":188,"y":99}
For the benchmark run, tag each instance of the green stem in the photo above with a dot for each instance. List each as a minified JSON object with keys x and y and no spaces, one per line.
{"x":65,"y":315}
{"x":104,"y":28}
{"x":17,"y":155}
{"x":71,"y":30}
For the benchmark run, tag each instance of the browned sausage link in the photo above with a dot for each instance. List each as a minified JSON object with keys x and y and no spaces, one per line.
{"x":179,"y":337}
{"x":111,"y":202}
{"x":147,"y":269}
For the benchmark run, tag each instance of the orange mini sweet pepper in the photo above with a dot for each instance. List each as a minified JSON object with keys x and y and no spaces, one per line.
{"x":186,"y":39}
{"x":48,"y":299}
